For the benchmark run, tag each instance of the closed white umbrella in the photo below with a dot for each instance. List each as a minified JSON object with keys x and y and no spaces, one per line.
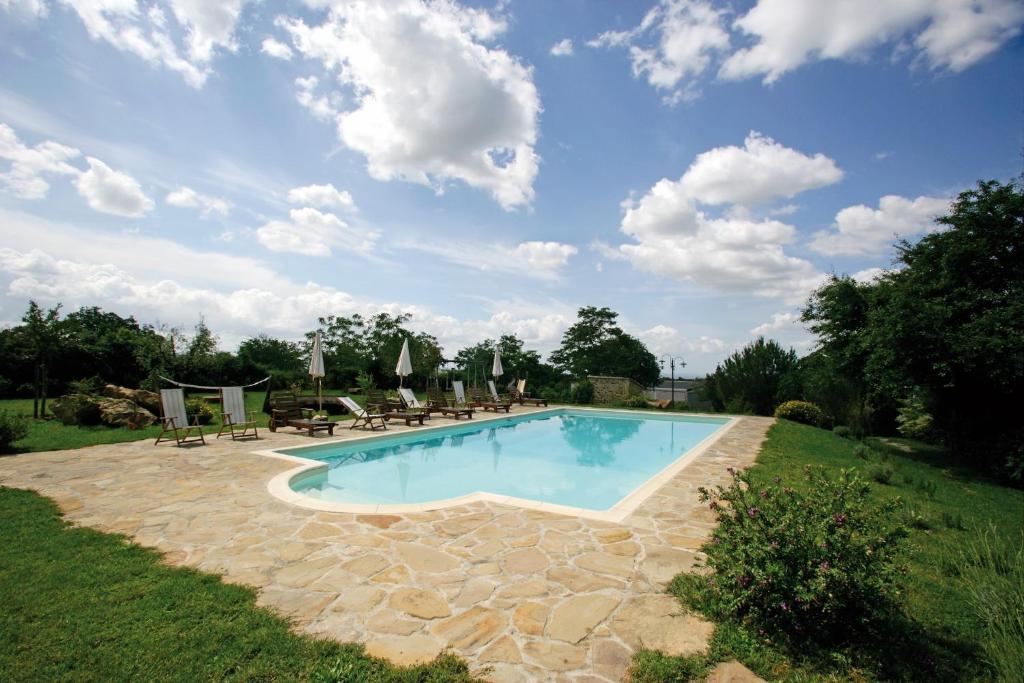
{"x":316,"y":368}
{"x":496,"y":369}
{"x":404,"y":367}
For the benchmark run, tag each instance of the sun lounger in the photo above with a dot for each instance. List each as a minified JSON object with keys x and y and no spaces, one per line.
{"x":378,"y":402}
{"x":233,"y":415}
{"x":174,"y":419}
{"x":362,"y":417}
{"x":286,"y":411}
{"x":481,"y":400}
{"x":410,"y":402}
{"x":520,"y":397}
{"x":437,"y":401}
{"x":495,"y":396}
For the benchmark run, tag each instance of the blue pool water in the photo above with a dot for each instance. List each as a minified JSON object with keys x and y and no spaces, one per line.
{"x":587,"y":459}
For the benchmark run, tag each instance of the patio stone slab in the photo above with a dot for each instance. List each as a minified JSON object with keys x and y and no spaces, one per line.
{"x":522,"y":594}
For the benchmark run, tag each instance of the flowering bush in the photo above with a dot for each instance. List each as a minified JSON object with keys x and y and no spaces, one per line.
{"x":803,"y":412}
{"x":815,"y":563}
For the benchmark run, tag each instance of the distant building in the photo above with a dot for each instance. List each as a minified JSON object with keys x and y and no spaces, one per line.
{"x":686,"y":391}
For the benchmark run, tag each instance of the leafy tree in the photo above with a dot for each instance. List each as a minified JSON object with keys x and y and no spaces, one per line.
{"x":43,"y":335}
{"x":518,"y":361}
{"x":595,"y":345}
{"x":755,"y":379}
{"x":262,"y":355}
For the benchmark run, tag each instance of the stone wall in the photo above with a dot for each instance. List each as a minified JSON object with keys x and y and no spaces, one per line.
{"x":611,"y":389}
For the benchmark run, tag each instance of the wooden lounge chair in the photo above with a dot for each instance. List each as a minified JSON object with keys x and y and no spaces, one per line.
{"x":363,"y":418}
{"x":481,"y":400}
{"x":286,"y":411}
{"x":174,"y":419}
{"x":378,"y":402}
{"x":495,"y":396}
{"x":520,"y":397}
{"x":437,"y":401}
{"x":410,"y":402}
{"x":233,"y":415}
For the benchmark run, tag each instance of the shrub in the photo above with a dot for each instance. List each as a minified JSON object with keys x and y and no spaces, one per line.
{"x":636,"y":401}
{"x":12,"y":428}
{"x":819,"y":563}
{"x":882,"y":473}
{"x":88,"y":385}
{"x":912,"y":420}
{"x":582,"y":392}
{"x":197,"y":406}
{"x":842,"y":430}
{"x":803,"y":412}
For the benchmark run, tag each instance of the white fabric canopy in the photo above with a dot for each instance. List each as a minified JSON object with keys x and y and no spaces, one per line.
{"x":496,"y":369}
{"x":404,"y":367}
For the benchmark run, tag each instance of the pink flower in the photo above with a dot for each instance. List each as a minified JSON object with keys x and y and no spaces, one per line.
{"x":752,"y":512}
{"x":839,"y":519}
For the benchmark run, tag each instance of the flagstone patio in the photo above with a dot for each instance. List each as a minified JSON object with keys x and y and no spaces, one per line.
{"x":520,"y":594}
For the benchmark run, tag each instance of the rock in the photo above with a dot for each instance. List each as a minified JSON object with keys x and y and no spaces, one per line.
{"x":657,"y":621}
{"x":613,"y":535}
{"x":606,"y":563}
{"x":366,"y":566}
{"x":396,"y":574}
{"x":404,"y":650}
{"x":580,"y":581}
{"x":358,"y":599}
{"x":76,"y":409}
{"x":530,"y":617}
{"x":473,"y":628}
{"x":525,"y":561}
{"x":149,"y":400}
{"x":556,"y":656}
{"x":611,"y":659}
{"x":662,"y":563}
{"x":424,"y":559}
{"x":503,"y":649}
{"x":475,"y":590}
{"x":575,"y":618}
{"x":387,"y":621}
{"x":379,"y":521}
{"x":732,"y":672}
{"x":419,"y":603}
{"x":120,"y":412}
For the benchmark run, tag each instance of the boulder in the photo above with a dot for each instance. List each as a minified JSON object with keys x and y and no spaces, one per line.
{"x":76,"y":409}
{"x":120,"y":412}
{"x":149,"y":400}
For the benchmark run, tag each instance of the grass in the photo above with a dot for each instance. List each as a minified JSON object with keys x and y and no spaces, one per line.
{"x":963,"y":586}
{"x":77,"y":604}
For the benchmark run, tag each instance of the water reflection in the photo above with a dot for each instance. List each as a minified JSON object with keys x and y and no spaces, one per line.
{"x":594,"y":440}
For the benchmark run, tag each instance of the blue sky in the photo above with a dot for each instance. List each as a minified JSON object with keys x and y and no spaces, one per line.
{"x":697,"y":166}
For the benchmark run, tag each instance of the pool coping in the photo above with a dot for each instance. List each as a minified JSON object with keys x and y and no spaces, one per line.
{"x":279,"y":486}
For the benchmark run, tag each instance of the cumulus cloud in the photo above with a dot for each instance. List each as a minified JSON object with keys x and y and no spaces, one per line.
{"x":861,"y":230}
{"x":111,"y":191}
{"x":675,"y":237}
{"x":868,"y":275}
{"x":779,"y":322}
{"x":562,"y":48}
{"x":313,"y":233}
{"x":947,"y":34}
{"x":673,"y":44}
{"x":321,"y":196}
{"x":540,"y":260}
{"x":186,"y":197}
{"x":431,"y":102}
{"x":321,"y":107}
{"x":29,"y":164}
{"x":28,"y":8}
{"x":276,"y":49}
{"x":146,"y":33}
{"x":665,"y":339}
{"x":544,"y":256}
{"x":759,"y":171}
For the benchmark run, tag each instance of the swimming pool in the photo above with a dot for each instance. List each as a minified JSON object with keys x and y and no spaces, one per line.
{"x":579,"y":459}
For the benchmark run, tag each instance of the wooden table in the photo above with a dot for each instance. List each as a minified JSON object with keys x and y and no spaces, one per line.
{"x":312,"y":426}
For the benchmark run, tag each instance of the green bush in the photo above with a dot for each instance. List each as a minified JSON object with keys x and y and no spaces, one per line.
{"x":814,"y":564}
{"x":13,"y":428}
{"x":882,"y":473}
{"x":842,"y":430}
{"x":803,"y":412}
{"x":197,"y":406}
{"x":87,"y":385}
{"x":582,"y":392}
{"x":912,"y":420}
{"x":636,"y":401}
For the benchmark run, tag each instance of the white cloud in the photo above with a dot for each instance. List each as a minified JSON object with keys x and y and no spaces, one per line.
{"x":543,"y":256}
{"x":313,"y":233}
{"x":665,"y":339}
{"x":948,"y":34}
{"x":30,"y":164}
{"x":276,"y":49}
{"x":321,"y":107}
{"x":676,"y":40}
{"x":862,"y":230}
{"x":321,"y":196}
{"x":432,"y":102}
{"x":676,"y":238}
{"x":111,"y":191}
{"x":186,"y":197}
{"x":868,"y":275}
{"x":779,"y":322}
{"x":207,"y":27}
{"x":562,"y":48}
{"x":28,"y":8}
{"x":759,"y":171}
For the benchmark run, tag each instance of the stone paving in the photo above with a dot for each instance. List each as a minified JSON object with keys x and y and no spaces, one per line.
{"x":520,"y":594}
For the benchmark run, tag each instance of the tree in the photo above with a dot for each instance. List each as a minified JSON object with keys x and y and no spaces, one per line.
{"x":42,"y":332}
{"x":755,"y":379}
{"x":595,"y":345}
{"x":262,"y":355}
{"x":518,"y":361}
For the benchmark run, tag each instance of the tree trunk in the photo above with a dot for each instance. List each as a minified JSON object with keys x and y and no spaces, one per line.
{"x":35,"y":394}
{"x":43,"y":383}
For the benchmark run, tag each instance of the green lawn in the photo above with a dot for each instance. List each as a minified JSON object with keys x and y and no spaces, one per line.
{"x":80,"y":605}
{"x":940,"y":637}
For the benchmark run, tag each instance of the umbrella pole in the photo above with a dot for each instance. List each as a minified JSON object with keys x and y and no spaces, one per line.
{"x":320,"y":393}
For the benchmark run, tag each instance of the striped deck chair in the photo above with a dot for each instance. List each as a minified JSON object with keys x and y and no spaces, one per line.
{"x":233,"y":415}
{"x":362,"y":417}
{"x":174,"y":419}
